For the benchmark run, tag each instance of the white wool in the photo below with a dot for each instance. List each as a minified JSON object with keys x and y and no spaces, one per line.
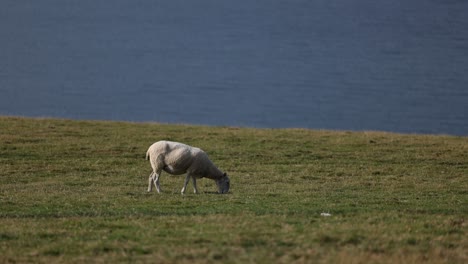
{"x":177,"y":158}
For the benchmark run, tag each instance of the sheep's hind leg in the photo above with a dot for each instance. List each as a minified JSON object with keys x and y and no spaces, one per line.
{"x":150,"y":182}
{"x":157,"y":164}
{"x":156,"y":177}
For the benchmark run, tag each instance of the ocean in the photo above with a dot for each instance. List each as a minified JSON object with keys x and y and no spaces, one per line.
{"x":398,"y":66}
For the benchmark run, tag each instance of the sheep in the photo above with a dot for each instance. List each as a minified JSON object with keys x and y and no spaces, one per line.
{"x":176,"y":158}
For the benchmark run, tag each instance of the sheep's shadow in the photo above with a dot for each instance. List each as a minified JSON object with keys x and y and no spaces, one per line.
{"x":215,"y":193}
{"x":210,"y":192}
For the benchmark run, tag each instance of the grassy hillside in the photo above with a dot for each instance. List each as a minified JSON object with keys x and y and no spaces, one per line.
{"x":75,"y":191}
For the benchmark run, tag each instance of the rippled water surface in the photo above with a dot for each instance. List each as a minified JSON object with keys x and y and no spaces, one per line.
{"x":330,"y":64}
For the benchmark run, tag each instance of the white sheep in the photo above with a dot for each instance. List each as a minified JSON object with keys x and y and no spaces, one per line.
{"x":176,"y":159}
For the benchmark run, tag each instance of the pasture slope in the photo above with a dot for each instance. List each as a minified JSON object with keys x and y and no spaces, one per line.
{"x":75,"y":192}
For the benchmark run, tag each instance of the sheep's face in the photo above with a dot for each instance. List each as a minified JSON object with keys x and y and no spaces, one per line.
{"x":223,"y":184}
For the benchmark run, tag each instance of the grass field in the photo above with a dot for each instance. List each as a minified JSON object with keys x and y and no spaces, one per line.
{"x":75,"y":192}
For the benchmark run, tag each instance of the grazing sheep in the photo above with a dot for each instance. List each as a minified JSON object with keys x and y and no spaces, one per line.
{"x":177,"y":158}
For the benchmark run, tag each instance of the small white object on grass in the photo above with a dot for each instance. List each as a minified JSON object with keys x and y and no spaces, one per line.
{"x":325,"y":214}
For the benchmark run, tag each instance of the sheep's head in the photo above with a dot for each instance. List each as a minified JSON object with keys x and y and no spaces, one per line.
{"x":223,"y":184}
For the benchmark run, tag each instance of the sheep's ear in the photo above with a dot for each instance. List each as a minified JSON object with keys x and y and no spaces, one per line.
{"x":224,"y":174}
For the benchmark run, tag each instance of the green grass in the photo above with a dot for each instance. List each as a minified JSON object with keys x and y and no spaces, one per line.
{"x":75,"y":192}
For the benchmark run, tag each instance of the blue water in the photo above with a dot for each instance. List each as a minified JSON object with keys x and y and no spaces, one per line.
{"x":395,"y":65}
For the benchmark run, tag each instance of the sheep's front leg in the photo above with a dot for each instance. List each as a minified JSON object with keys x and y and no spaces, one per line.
{"x":194,"y":181}
{"x":187,"y":178}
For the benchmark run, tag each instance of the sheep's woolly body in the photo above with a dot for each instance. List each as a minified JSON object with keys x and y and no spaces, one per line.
{"x":177,"y":158}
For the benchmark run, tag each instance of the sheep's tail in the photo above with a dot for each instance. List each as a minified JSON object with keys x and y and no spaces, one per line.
{"x":147,"y":155}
